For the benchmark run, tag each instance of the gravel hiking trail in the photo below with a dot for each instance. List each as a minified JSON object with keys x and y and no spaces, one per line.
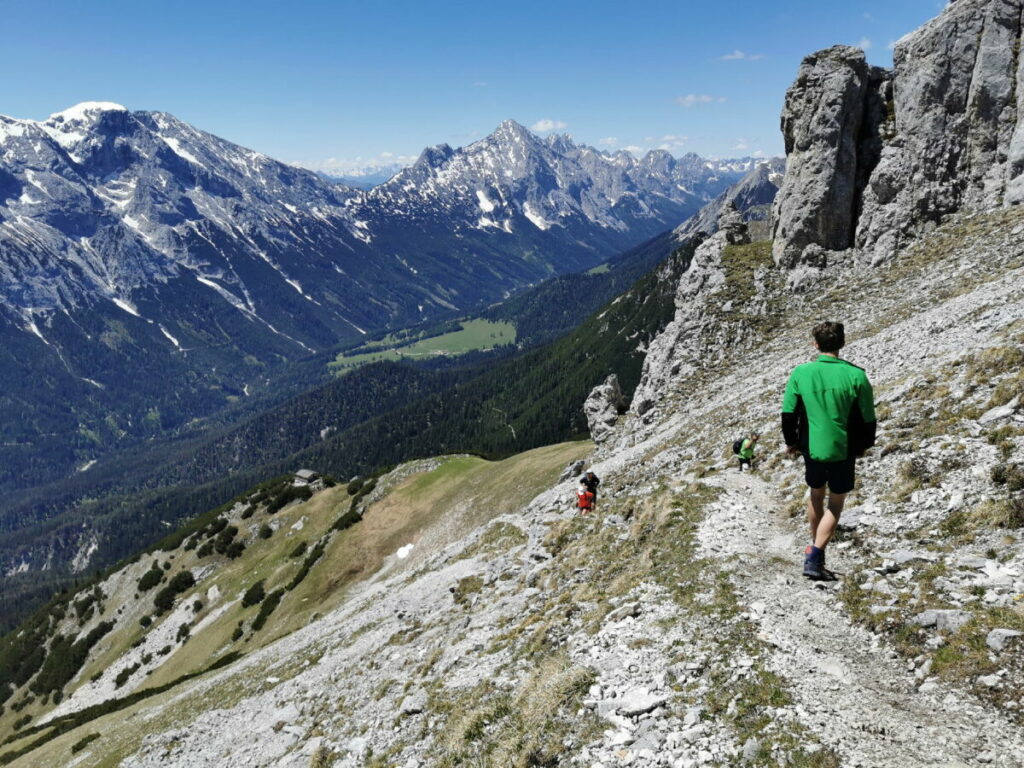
{"x":853,"y":690}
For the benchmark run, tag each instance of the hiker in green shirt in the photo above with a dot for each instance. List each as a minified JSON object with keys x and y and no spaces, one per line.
{"x":746,"y":453}
{"x":828,"y":415}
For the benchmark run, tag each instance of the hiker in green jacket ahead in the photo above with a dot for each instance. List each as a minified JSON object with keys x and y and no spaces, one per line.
{"x":746,"y":453}
{"x":828,"y":415}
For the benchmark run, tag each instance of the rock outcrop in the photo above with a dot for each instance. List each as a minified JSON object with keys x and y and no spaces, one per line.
{"x":603,"y":406}
{"x":877,"y":158}
{"x":822,"y":122}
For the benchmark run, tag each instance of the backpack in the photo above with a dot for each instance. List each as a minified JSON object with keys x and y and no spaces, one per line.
{"x":737,"y":446}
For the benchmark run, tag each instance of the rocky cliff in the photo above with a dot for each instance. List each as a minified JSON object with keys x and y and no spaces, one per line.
{"x":877,"y":158}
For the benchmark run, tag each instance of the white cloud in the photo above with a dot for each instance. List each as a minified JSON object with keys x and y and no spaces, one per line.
{"x":360,"y":166}
{"x":609,"y":141}
{"x":864,"y":44}
{"x":738,"y":55}
{"x":634,"y":149}
{"x":757,"y":153}
{"x":671,"y":141}
{"x":892,"y":45}
{"x":742,"y":145}
{"x":547,"y":124}
{"x":479,"y":84}
{"x":868,"y":17}
{"x":692,"y":99}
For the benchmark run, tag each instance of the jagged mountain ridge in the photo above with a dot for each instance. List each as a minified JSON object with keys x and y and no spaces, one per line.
{"x":137,"y":250}
{"x":752,"y":195}
{"x":103,"y":203}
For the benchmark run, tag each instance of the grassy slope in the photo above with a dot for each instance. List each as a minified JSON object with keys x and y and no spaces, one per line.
{"x":426,"y":508}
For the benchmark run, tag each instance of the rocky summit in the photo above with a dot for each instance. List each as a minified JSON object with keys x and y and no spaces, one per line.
{"x":455,"y":611}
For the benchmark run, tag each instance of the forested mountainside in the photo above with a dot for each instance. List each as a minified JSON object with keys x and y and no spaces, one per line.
{"x":137,"y":252}
{"x":374,"y":417}
{"x":94,"y":517}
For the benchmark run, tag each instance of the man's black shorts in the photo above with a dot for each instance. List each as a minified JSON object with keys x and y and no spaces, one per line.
{"x":838,"y":474}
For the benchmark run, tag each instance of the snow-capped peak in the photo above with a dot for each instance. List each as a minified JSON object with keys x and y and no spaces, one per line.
{"x":85,"y":110}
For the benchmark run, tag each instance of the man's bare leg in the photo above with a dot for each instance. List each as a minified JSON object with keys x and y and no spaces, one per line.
{"x":823,"y":523}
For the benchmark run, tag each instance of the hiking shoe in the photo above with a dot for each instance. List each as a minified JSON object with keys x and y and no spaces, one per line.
{"x":814,"y":564}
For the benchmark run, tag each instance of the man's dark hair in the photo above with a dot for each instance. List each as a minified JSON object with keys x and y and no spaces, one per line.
{"x":831,"y":337}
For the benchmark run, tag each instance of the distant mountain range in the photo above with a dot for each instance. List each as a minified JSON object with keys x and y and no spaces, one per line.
{"x":366,"y":178}
{"x":152,"y":273}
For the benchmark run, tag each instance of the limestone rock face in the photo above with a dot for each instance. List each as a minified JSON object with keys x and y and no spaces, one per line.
{"x":821,"y":123}
{"x":958,"y":141}
{"x":603,"y":407}
{"x":679,"y":349}
{"x":877,"y":158}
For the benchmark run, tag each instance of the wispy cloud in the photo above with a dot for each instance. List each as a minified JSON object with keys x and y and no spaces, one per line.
{"x":634,"y":149}
{"x":547,"y":124}
{"x":738,"y":55}
{"x":864,"y":44}
{"x":757,"y":153}
{"x":892,"y":45}
{"x":609,"y":141}
{"x":742,"y":145}
{"x":479,"y":84}
{"x":693,"y":99}
{"x":671,"y":141}
{"x":868,"y":17}
{"x":359,"y":166}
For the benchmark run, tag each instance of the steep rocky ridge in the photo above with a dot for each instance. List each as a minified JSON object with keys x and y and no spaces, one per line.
{"x":877,"y":158}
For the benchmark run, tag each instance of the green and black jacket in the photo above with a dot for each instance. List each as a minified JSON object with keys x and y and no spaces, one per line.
{"x":828,"y":410}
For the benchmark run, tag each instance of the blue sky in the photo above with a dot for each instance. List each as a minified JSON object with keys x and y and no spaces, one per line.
{"x":340,"y":84}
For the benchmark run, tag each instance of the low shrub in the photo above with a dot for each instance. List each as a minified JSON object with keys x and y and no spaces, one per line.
{"x":254,"y":594}
{"x":182,"y":581}
{"x":235,"y":550}
{"x":150,"y":578}
{"x":124,"y":674}
{"x":287,"y":495}
{"x":83,"y":742}
{"x":315,"y":554}
{"x":267,"y":607}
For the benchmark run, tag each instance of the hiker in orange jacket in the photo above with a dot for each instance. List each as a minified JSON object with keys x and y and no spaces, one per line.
{"x":584,"y":498}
